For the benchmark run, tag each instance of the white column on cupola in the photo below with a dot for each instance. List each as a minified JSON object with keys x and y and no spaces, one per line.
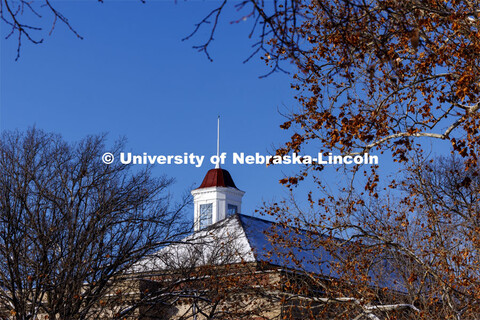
{"x":217,"y":197}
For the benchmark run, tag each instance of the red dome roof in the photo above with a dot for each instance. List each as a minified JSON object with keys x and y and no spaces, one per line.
{"x":217,"y":178}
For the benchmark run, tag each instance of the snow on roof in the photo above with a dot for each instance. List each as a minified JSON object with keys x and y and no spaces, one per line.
{"x":222,"y":243}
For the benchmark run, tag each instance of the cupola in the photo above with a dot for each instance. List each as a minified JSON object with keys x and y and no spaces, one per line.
{"x":216,"y":198}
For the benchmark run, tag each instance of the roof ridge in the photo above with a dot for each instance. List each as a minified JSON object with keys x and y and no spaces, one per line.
{"x":256,"y":218}
{"x":237,"y":216}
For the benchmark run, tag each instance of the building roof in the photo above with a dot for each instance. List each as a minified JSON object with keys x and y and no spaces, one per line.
{"x":217,"y":178}
{"x":259,"y":234}
{"x":303,"y":252}
{"x":241,"y":238}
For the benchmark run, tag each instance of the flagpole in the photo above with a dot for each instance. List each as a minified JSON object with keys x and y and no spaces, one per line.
{"x":218,"y":143}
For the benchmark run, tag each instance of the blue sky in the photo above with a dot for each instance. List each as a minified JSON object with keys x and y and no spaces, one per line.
{"x":132,"y":76}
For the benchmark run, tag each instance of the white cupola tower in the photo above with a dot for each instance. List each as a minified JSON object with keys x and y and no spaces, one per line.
{"x":216,"y":198}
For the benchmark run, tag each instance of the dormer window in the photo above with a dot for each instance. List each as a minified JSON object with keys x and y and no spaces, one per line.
{"x":205,"y":215}
{"x":232,"y":209}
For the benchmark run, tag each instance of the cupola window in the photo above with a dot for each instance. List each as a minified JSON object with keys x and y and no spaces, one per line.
{"x":205,"y":215}
{"x":232,"y":209}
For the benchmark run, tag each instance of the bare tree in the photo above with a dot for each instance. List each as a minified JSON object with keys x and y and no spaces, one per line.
{"x":70,"y":225}
{"x":23,"y":18}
